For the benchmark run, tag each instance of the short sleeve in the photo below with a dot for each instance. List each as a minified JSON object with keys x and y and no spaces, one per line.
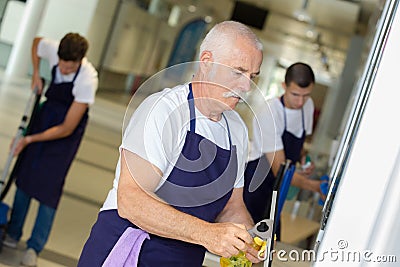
{"x":47,"y":49}
{"x":309,"y":112}
{"x":267,"y":125}
{"x":151,"y":133}
{"x":86,"y":83}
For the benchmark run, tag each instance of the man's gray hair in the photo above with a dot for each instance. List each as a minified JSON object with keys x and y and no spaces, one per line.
{"x":222,"y":35}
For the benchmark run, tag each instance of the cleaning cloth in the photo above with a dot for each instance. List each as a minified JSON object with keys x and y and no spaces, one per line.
{"x":126,"y":250}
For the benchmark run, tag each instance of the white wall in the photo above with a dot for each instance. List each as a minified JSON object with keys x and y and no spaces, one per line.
{"x":76,"y":16}
{"x":11,"y":21}
{"x":99,"y":30}
{"x":58,"y":18}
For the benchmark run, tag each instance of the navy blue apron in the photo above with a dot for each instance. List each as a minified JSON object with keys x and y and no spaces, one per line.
{"x":259,"y":202}
{"x":44,"y":165}
{"x":197,"y":185}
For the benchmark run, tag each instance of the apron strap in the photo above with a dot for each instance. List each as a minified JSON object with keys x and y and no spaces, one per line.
{"x":193,"y":116}
{"x":76,"y":73}
{"x":53,"y":73}
{"x":192,"y":110}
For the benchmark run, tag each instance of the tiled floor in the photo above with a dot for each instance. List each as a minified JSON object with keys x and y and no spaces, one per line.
{"x":88,"y":181}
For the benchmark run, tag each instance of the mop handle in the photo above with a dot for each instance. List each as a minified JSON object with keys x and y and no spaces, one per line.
{"x":20,"y":133}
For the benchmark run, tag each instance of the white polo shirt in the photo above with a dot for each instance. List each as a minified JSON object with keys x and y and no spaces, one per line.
{"x":86,"y":82}
{"x":157,"y":130}
{"x":269,"y":123}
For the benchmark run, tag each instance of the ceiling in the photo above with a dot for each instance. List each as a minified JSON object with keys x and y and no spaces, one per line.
{"x":322,"y":41}
{"x":336,"y":15}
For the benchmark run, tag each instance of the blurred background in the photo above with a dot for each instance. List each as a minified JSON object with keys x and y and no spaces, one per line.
{"x":131,"y":40}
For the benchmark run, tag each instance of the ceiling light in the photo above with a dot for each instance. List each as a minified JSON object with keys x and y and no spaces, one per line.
{"x":192,"y":8}
{"x":302,"y":14}
{"x":311,"y":33}
{"x":174,"y":16}
{"x":208,"y":19}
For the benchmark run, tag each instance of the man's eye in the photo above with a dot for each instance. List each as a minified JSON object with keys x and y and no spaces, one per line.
{"x":237,"y":72}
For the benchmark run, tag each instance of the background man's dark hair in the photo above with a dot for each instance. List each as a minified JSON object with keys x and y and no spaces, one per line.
{"x":73,"y":47}
{"x":299,"y":73}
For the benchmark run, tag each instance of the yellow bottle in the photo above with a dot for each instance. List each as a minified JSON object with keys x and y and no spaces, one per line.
{"x":240,"y":259}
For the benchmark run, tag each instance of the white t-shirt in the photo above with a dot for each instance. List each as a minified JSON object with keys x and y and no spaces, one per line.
{"x":269,"y":124}
{"x":157,"y":131}
{"x":86,"y":82}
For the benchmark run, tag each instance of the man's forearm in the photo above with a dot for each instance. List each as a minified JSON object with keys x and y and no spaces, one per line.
{"x":147,"y":211}
{"x":303,"y":182}
{"x":34,"y":56}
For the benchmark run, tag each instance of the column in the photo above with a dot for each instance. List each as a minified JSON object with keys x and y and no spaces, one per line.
{"x":19,"y":61}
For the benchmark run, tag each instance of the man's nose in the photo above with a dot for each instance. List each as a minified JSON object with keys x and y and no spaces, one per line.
{"x":301,"y":100}
{"x":245,"y":84}
{"x":63,"y":70}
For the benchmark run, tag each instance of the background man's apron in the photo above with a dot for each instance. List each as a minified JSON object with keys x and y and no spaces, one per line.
{"x":210,"y":186}
{"x":44,"y":165}
{"x":259,"y":202}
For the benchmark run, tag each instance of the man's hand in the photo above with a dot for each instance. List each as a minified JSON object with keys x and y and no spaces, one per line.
{"x":37,"y":82}
{"x":324,"y":187}
{"x":307,"y":167}
{"x":252,"y":254}
{"x":227,"y":239}
{"x":22,"y":143}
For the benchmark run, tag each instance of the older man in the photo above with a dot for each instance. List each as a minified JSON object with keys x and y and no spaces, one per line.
{"x":179,"y":179}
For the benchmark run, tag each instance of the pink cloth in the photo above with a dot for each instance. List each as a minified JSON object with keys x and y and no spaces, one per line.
{"x":126,"y":250}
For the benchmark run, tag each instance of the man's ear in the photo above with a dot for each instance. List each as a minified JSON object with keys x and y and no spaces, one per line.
{"x":206,"y":56}
{"x":284,"y":85}
{"x":206,"y":59}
